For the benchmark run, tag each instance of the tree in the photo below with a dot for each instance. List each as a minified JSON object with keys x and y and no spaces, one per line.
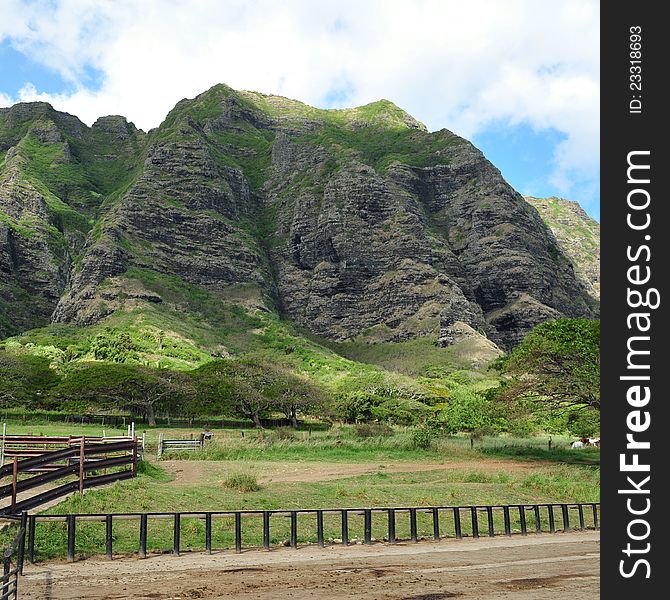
{"x":236,"y":386}
{"x":150,"y":390}
{"x":557,"y":366}
{"x":24,"y":379}
{"x":291,"y":394}
{"x":143,"y":390}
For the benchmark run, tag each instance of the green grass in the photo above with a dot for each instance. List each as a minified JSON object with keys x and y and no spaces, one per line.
{"x":154,"y":492}
{"x":411,"y":357}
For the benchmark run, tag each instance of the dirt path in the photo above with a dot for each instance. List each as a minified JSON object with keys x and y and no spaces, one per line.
{"x":188,"y":472}
{"x":535,"y":567}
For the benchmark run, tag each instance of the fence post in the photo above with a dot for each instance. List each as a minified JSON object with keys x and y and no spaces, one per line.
{"x":580,"y":509}
{"x":71,"y":524}
{"x":391,"y":516}
{"x":319,"y":527}
{"x":345,"y":528}
{"x":475,"y":522}
{"x":160,"y":445}
{"x":208,"y":532}
{"x":552,"y":524}
{"x":31,"y":539}
{"x":134,"y":456}
{"x":294,"y":529}
{"x":436,"y":524}
{"x":412,"y":524}
{"x":15,"y":472}
{"x":457,"y":523}
{"x":81,"y":464}
{"x":489,"y":514}
{"x":367,"y":534}
{"x":508,"y":525}
{"x":266,"y":529}
{"x":595,"y":516}
{"x":176,"y":533}
{"x":522,"y":519}
{"x":238,"y":532}
{"x":538,"y":525}
{"x":108,"y":536}
{"x":566,"y":517}
{"x":20,"y":552}
{"x":2,"y":447}
{"x":143,"y":535}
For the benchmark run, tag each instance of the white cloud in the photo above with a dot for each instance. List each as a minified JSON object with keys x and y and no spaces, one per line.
{"x":454,"y":64}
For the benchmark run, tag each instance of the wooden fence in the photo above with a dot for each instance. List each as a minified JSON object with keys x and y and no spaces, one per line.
{"x":82,"y":458}
{"x":378,"y":524}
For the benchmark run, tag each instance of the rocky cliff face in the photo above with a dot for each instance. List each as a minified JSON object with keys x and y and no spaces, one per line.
{"x":578,"y":236}
{"x":353,"y":223}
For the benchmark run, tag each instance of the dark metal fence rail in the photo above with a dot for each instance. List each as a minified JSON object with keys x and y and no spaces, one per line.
{"x":12,"y":562}
{"x":466,"y":521}
{"x":81,"y":460}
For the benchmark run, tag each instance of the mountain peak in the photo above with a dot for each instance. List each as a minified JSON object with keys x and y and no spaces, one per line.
{"x":349,"y":222}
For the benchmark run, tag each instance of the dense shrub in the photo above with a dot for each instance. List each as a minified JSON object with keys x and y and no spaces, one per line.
{"x":374,"y":429}
{"x":114,"y":346}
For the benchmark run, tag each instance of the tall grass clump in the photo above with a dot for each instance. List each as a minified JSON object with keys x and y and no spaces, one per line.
{"x":242,"y":482}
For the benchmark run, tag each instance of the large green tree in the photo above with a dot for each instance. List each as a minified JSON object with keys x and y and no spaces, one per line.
{"x":24,"y":380}
{"x":142,"y":390}
{"x":556,"y":366}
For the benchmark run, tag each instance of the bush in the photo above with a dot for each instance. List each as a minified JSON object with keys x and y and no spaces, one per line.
{"x":424,"y":437}
{"x":366,"y":430}
{"x":356,"y":406}
{"x":401,"y":411}
{"x":285,"y":433}
{"x":467,"y":410}
{"x":242,"y":483}
{"x":114,"y":346}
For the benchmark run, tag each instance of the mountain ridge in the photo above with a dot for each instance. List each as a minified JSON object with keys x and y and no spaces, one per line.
{"x":577,"y":233}
{"x":353,"y":223}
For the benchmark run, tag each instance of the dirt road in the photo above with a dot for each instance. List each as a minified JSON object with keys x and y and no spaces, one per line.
{"x":534,"y":567}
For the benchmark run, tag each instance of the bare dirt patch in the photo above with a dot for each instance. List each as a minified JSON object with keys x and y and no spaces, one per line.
{"x":533,"y":567}
{"x":191,"y":472}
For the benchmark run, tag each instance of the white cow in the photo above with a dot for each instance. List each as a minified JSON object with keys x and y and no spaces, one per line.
{"x":577,"y":444}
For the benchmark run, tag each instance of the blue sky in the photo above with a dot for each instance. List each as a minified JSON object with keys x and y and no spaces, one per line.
{"x":519,"y":78}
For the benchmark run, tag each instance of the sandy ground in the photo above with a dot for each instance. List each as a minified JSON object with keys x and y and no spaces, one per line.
{"x":188,"y":472}
{"x":534,"y":567}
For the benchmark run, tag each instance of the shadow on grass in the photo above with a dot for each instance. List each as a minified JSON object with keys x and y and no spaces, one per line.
{"x":559,"y":455}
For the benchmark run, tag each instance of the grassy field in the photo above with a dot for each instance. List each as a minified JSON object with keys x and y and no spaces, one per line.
{"x":327,"y":469}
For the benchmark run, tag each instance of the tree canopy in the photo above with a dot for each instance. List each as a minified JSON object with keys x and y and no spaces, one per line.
{"x":556,"y":366}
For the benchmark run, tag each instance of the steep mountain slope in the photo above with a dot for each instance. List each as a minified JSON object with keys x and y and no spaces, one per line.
{"x":54,"y":175}
{"x":355,"y":224}
{"x":577,"y":234}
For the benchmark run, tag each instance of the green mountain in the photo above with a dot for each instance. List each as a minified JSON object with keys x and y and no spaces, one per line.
{"x":578,"y":236}
{"x":248,"y":224}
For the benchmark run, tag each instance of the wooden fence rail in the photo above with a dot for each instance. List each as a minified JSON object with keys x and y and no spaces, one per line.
{"x":83,"y":458}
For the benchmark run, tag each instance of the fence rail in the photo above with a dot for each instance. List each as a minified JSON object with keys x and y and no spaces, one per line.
{"x":12,"y":561}
{"x":83,"y":459}
{"x":29,"y":446}
{"x":378,"y":524}
{"x":165,"y":445}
